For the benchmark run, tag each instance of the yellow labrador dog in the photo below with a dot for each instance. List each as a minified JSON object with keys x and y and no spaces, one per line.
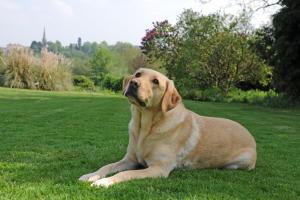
{"x":164,"y":135}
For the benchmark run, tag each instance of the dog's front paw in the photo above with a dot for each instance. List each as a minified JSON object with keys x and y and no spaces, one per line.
{"x":90,"y":177}
{"x":104,"y":182}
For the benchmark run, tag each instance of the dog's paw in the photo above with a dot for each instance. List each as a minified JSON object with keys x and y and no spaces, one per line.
{"x":104,"y":182}
{"x":90,"y":177}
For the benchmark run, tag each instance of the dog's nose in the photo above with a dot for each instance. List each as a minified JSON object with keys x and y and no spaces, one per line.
{"x":134,"y":84}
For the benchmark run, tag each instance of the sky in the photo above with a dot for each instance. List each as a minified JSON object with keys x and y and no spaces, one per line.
{"x":22,"y":21}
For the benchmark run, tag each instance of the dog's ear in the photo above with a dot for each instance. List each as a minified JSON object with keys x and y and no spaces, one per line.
{"x":171,"y":97}
{"x":126,"y":82}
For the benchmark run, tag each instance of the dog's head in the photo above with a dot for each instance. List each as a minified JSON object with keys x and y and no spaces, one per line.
{"x":150,"y":89}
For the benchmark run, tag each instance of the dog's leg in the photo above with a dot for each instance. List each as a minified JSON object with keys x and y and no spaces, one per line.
{"x":246,"y":159}
{"x":150,"y":172}
{"x":122,"y":165}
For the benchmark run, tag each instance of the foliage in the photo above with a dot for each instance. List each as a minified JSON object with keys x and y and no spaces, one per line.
{"x":98,"y":79}
{"x":205,"y":51}
{"x":123,"y":57}
{"x":55,"y":47}
{"x":139,"y":61}
{"x":100,"y":61}
{"x":287,"y":45}
{"x":83,"y":82}
{"x":251,"y":96}
{"x":49,"y":139}
{"x":79,"y":44}
{"x":89,"y":48}
{"x":36,"y":47}
{"x":107,"y":82}
{"x":81,"y":65}
{"x":112,"y":83}
{"x":262,"y":42}
{"x":266,"y":98}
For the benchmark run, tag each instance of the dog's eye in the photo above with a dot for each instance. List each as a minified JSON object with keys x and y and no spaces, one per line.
{"x":155,"y":81}
{"x":138,"y":75}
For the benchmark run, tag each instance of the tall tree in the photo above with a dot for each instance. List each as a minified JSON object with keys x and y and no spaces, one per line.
{"x":36,"y":47}
{"x":205,"y":51}
{"x":140,"y":61}
{"x":100,"y":61}
{"x":287,"y":44}
{"x":55,"y":47}
{"x":79,"y":42}
{"x":262,"y":42}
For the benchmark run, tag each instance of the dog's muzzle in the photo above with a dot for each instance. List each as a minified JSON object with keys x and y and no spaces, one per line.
{"x":132,"y":91}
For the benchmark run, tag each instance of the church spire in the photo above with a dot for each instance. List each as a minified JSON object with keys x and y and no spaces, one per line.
{"x":44,"y":40}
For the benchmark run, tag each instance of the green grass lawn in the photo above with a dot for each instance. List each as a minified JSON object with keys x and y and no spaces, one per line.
{"x":49,"y":139}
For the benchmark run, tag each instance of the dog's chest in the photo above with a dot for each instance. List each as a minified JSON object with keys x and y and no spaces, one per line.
{"x":146,"y":145}
{"x":142,"y":136}
{"x":141,"y":149}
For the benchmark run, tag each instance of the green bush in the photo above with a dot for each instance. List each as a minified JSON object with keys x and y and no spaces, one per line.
{"x":250,"y":96}
{"x":83,"y":82}
{"x":112,"y":83}
{"x":212,"y":94}
{"x":1,"y":78}
{"x":190,"y":94}
{"x":98,"y":79}
{"x":280,"y":100}
{"x":266,"y":98}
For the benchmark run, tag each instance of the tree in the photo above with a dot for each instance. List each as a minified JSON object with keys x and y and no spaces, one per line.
{"x":79,"y":43}
{"x":100,"y":60}
{"x":36,"y":47}
{"x":86,"y":47}
{"x":205,"y":51}
{"x":160,"y":44}
{"x":1,"y":58}
{"x":81,"y":65}
{"x":262,"y":42}
{"x":123,"y":55}
{"x":90,"y":48}
{"x":140,"y":61}
{"x":287,"y":44}
{"x":55,"y":47}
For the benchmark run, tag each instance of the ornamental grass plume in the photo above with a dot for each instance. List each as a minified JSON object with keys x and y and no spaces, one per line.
{"x":20,"y":65}
{"x":54,"y":72}
{"x":48,"y":72}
